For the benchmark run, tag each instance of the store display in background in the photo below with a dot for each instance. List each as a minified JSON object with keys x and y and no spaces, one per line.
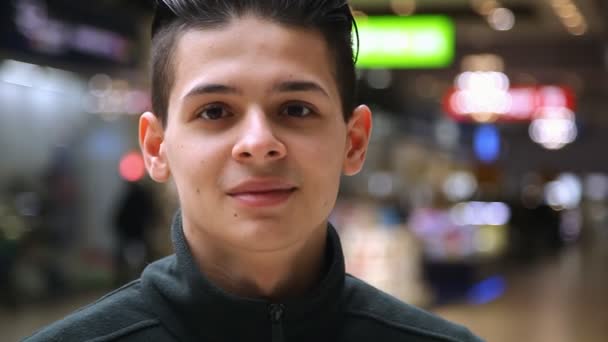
{"x":405,"y":41}
{"x":467,"y":231}
{"x":515,"y":104}
{"x":387,"y":256}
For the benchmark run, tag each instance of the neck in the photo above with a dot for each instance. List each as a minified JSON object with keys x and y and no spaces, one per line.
{"x":275,"y":275}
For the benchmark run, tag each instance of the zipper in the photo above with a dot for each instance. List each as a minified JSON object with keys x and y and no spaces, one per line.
{"x":276,"y":313}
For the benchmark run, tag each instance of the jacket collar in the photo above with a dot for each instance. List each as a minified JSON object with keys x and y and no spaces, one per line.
{"x":190,"y":305}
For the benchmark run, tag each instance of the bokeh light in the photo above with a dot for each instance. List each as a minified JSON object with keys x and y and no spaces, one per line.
{"x":132,"y":167}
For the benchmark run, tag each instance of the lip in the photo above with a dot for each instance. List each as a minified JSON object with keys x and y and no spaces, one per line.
{"x":262,"y":192}
{"x":261,"y":185}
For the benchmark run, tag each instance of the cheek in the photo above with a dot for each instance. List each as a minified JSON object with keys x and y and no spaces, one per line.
{"x":321,"y":164}
{"x":192,"y":166}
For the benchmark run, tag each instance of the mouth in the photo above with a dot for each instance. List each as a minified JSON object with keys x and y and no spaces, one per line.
{"x":264,"y":193}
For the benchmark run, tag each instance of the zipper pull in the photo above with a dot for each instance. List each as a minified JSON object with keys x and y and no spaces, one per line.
{"x":276,"y":312}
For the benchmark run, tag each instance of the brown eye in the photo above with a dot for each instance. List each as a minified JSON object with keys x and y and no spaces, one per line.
{"x":296,"y":110}
{"x":214,"y":112}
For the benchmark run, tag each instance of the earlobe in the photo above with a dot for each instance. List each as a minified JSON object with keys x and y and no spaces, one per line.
{"x":359,"y":130}
{"x":151,"y":142}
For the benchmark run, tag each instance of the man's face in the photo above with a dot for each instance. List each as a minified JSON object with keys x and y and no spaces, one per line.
{"x":255,"y":138}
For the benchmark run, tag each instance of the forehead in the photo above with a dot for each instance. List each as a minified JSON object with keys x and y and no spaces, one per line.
{"x":252,"y":49}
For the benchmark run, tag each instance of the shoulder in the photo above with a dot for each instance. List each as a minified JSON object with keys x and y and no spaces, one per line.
{"x":116,"y":315}
{"x":377,"y":312}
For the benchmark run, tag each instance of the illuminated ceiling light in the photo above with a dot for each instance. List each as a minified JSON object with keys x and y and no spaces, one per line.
{"x":483,"y":95}
{"x":489,"y":80}
{"x":403,"y":7}
{"x":501,"y":19}
{"x":481,"y":90}
{"x":482,"y":62}
{"x":553,"y":134}
{"x":570,"y":16}
{"x":566,"y":11}
{"x":554,"y":128}
{"x":565,"y":192}
{"x":578,"y":30}
{"x":488,"y":6}
{"x":485,"y":7}
{"x":557,"y":3}
{"x":574,"y":20}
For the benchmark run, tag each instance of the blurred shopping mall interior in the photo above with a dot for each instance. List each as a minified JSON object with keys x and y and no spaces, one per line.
{"x":484,"y":197}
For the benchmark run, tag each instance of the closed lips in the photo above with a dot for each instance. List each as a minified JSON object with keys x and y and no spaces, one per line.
{"x":261,"y":188}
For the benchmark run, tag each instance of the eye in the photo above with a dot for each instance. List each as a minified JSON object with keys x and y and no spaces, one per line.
{"x":214,"y":112}
{"x":296,"y":110}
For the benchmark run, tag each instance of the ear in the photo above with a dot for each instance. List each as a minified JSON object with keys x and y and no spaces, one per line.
{"x":359,"y":129}
{"x":151,"y":142}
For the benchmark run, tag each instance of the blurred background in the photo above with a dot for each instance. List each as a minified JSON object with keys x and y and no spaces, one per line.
{"x":484,"y":197}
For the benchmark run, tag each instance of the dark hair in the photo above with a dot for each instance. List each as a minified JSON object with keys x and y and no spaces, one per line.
{"x":332,"y":18}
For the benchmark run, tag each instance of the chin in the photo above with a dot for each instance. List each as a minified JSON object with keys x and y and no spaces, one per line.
{"x":268,"y":236}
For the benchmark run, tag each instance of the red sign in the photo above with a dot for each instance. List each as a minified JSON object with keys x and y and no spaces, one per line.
{"x":518,"y":104}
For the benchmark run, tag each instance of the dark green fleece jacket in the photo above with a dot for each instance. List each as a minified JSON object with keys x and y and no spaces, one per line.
{"x":173,"y":301}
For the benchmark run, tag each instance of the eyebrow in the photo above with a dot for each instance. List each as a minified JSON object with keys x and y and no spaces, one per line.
{"x":294,"y":86}
{"x":211,"y":88}
{"x":283,"y":87}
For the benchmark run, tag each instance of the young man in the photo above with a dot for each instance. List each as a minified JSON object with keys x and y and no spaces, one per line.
{"x":255,"y":122}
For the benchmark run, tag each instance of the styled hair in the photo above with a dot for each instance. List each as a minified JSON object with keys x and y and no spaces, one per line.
{"x":332,"y":18}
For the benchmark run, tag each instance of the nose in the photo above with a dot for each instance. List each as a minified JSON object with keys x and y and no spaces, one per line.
{"x":257,"y":142}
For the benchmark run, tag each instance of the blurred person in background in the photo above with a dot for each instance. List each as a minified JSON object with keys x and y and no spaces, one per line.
{"x":135,"y":215}
{"x":255,"y":122}
{"x":61,"y":221}
{"x":534,"y":224}
{"x":31,"y":252}
{"x":8,"y":254}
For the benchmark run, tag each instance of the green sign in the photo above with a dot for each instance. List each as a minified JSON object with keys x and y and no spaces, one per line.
{"x":405,"y":42}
